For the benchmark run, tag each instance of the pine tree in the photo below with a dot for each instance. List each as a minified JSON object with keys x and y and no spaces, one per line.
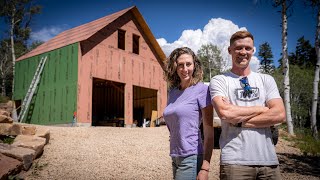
{"x":305,"y":53}
{"x":266,"y":63}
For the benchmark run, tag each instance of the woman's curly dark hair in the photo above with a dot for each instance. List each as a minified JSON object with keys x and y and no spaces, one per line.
{"x":171,"y":75}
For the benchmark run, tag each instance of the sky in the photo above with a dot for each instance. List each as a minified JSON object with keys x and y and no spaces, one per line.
{"x":177,"y":23}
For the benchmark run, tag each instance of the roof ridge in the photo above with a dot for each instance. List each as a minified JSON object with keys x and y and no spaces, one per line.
{"x":93,"y":26}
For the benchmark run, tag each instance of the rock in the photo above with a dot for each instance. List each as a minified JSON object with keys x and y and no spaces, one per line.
{"x":9,"y":166}
{"x":32,"y":142}
{"x":10,"y":129}
{"x":7,"y":106}
{"x":5,"y":119}
{"x":28,"y":130}
{"x":10,"y":103}
{"x":27,"y":146}
{"x":5,"y":113}
{"x":5,"y":128}
{"x":44,"y":133}
{"x":25,"y":155}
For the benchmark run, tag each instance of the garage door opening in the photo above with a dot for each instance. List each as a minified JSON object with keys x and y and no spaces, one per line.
{"x":144,"y":102}
{"x":107,"y":103}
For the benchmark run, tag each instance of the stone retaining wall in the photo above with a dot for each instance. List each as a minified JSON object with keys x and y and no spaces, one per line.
{"x":28,"y":144}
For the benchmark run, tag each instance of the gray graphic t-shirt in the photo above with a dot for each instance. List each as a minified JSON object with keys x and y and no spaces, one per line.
{"x":246,"y":146}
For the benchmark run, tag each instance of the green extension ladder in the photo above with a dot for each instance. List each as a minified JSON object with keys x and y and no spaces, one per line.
{"x":32,"y":88}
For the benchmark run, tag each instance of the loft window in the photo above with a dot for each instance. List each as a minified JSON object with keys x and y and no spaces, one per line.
{"x":121,"y":39}
{"x":135,"y":44}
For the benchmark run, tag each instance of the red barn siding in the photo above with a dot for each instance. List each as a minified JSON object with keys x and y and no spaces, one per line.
{"x":99,"y":57}
{"x":106,"y":61}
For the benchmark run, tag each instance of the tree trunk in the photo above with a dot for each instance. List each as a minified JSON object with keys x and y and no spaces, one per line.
{"x":286,"y":81}
{"x":3,"y":89}
{"x":209,"y":64}
{"x":3,"y":77}
{"x":316,"y":83}
{"x":4,"y":69}
{"x":3,"y":86}
{"x":12,"y":51}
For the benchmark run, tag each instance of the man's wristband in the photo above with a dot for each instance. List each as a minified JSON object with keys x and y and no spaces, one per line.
{"x":236,"y":125}
{"x":204,"y":169}
{"x":239,"y":124}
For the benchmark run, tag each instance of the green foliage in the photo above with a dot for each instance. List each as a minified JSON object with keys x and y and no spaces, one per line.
{"x":20,"y":48}
{"x":265,"y":53}
{"x":306,"y":143}
{"x":16,"y":16}
{"x":5,"y":66}
{"x":4,"y":99}
{"x":7,"y":139}
{"x":20,"y":13}
{"x":301,"y":82}
{"x":305,"y":54}
{"x":301,"y":74}
{"x":34,"y":45}
{"x":301,"y":85}
{"x":37,"y":167}
{"x":278,"y":76}
{"x":212,"y":62}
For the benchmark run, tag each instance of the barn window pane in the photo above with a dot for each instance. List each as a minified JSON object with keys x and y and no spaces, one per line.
{"x":121,"y":39}
{"x":135,"y":44}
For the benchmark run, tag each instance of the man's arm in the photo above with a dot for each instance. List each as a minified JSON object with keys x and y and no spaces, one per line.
{"x":235,"y":114}
{"x":207,"y":116}
{"x":276,"y":114}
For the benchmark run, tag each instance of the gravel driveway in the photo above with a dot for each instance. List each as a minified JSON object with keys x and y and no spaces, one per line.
{"x":122,"y":153}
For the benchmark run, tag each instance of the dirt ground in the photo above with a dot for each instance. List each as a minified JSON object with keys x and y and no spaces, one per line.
{"x":135,"y":153}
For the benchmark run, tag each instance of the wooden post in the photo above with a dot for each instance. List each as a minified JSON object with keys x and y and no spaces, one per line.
{"x":154,"y":116}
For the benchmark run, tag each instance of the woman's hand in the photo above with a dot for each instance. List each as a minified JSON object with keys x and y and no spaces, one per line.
{"x":203,"y":174}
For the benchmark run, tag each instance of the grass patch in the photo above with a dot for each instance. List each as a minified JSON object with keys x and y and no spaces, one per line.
{"x":4,"y":99}
{"x":7,"y":139}
{"x":306,"y":143}
{"x":304,"y":140}
{"x":36,"y":167}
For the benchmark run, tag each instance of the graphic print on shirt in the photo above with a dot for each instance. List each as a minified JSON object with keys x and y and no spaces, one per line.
{"x":242,"y":96}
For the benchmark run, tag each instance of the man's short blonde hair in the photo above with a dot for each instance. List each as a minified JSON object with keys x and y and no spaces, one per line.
{"x":240,"y":35}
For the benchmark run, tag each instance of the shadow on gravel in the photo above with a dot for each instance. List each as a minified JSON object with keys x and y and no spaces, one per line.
{"x":304,"y":165}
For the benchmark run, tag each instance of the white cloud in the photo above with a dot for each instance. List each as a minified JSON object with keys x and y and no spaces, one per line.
{"x":218,"y":32}
{"x":47,"y":33}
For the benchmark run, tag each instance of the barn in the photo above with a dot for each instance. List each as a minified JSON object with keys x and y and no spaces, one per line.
{"x":105,"y":72}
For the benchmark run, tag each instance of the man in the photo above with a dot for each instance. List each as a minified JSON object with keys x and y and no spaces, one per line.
{"x":248,"y":104}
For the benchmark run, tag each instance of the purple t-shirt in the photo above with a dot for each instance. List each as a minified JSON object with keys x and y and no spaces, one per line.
{"x":183,"y":119}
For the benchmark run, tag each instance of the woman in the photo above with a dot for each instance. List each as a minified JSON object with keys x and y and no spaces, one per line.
{"x":189,"y":103}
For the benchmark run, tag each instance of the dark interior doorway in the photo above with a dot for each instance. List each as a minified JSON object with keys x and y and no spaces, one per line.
{"x":107,"y":103}
{"x":144,"y":102}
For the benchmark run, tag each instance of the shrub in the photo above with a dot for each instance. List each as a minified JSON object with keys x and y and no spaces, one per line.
{"x":306,"y":142}
{"x":7,"y":139}
{"x":4,"y":99}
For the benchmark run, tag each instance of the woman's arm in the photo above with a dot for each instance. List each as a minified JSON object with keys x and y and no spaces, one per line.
{"x":207,"y":116}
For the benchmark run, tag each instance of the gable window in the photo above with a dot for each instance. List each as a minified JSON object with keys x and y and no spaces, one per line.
{"x":121,"y":39}
{"x":135,"y":44}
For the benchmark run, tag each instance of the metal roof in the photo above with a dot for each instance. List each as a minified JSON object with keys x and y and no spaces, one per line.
{"x":87,"y":30}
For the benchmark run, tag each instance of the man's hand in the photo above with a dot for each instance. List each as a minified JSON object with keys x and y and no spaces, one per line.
{"x":275,"y":115}
{"x":235,"y":114}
